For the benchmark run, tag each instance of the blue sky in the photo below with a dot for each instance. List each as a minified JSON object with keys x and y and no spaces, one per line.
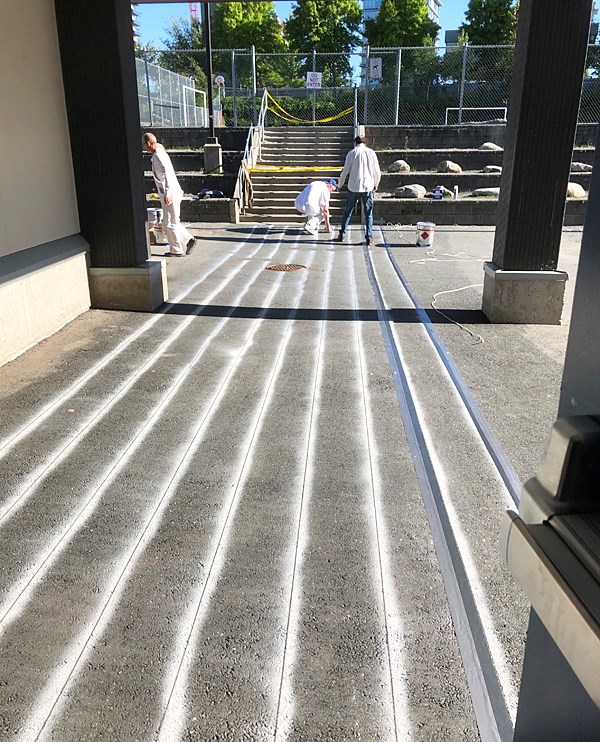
{"x":154,"y":19}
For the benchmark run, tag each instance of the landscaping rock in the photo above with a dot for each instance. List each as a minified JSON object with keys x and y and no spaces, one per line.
{"x":492,"y":169}
{"x":478,"y":192}
{"x":400,"y":166}
{"x":581,"y":167}
{"x":411,"y":191}
{"x":574,"y":190}
{"x":447,"y":166}
{"x":490,"y":147}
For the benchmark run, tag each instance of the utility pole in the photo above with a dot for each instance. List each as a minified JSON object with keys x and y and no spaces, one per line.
{"x":213,"y":159}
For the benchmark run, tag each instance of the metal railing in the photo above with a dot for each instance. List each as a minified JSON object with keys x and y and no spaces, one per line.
{"x":252,"y":151}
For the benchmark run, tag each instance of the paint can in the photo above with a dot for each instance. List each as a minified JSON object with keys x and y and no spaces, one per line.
{"x":425,"y":233}
{"x":151,"y":216}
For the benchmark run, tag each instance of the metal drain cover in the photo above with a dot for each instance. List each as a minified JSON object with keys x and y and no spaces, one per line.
{"x":289,"y":267}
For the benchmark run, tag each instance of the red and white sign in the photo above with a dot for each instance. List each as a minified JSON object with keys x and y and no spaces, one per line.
{"x":313,"y":80}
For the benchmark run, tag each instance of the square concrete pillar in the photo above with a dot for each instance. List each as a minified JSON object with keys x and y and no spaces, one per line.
{"x":523,"y":297}
{"x":142,"y":288}
{"x":213,"y":158}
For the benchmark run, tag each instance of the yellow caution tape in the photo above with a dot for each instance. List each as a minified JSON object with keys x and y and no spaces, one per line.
{"x":294,"y":119}
{"x":286,"y":169}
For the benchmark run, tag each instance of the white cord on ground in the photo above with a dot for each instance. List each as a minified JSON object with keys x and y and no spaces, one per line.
{"x":476,"y":335}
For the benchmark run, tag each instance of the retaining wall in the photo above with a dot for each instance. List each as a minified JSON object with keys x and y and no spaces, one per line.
{"x":454,"y":137}
{"x":471,"y":211}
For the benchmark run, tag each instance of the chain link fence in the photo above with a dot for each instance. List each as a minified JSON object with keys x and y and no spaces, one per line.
{"x":168,"y":99}
{"x":391,"y":86}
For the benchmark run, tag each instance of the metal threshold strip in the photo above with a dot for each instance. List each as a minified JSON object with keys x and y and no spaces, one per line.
{"x":491,"y":711}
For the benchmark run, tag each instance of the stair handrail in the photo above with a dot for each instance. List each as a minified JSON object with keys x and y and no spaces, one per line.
{"x":252,"y":151}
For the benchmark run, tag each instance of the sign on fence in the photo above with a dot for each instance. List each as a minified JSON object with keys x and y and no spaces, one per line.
{"x":313,"y":80}
{"x":375,"y":67}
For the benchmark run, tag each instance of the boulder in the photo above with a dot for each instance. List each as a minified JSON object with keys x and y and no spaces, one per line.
{"x":490,"y":147}
{"x":400,"y":166}
{"x":574,"y":190}
{"x":479,"y":192}
{"x":581,"y":167}
{"x":411,"y":191}
{"x":447,"y":166}
{"x":492,"y":169}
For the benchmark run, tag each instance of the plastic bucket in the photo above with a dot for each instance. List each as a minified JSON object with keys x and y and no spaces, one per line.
{"x":151,"y":216}
{"x":425,"y":233}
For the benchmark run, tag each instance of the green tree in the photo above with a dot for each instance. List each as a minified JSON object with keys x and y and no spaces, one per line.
{"x":242,"y":25}
{"x":491,"y":22}
{"x":325,"y":26}
{"x":402,"y":23}
{"x":185,"y":56}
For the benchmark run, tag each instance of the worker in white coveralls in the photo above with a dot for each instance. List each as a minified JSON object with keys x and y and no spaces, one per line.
{"x":181,"y":241}
{"x":314,"y":203}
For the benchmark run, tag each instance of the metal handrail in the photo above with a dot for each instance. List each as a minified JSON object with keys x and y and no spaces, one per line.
{"x":252,"y":150}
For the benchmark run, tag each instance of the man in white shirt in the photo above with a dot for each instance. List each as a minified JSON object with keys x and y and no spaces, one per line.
{"x":314,"y":202}
{"x":181,"y":241}
{"x":363,"y":173}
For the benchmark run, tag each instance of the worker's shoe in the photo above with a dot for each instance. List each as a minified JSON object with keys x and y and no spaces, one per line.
{"x":340,"y":237}
{"x":190,"y":246}
{"x":370,"y":242}
{"x":173,"y":254}
{"x":308,"y":230}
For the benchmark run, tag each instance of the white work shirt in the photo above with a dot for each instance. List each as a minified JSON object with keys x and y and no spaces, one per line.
{"x":313,"y":198}
{"x":164,"y":174}
{"x":362,"y":170}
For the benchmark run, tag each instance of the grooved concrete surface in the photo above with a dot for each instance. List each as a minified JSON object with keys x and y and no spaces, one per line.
{"x":210,"y":522}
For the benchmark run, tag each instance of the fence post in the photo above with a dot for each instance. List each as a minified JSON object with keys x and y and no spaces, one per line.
{"x":367,"y":55}
{"x":355,"y":110}
{"x":253,"y":85}
{"x":234,"y":86}
{"x":399,"y":67}
{"x":148,"y":88}
{"x":462,"y":83}
{"x":314,"y":69}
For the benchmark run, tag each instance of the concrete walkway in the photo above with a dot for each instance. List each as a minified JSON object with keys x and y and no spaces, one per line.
{"x":213,"y":520}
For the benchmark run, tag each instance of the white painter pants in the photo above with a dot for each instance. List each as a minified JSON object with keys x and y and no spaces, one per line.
{"x":313,"y":218}
{"x":177,"y":235}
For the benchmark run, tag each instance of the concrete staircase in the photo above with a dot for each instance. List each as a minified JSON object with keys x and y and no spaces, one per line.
{"x":300,"y":148}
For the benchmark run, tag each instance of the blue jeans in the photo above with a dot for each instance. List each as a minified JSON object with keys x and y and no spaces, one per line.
{"x":367,"y":201}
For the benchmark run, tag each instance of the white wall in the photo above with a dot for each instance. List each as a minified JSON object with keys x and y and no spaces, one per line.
{"x":37,"y":190}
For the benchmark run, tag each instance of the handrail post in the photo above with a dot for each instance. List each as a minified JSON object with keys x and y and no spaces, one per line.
{"x":355,"y":111}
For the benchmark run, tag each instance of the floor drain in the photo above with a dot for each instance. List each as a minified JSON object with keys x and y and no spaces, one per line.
{"x":289,"y":267}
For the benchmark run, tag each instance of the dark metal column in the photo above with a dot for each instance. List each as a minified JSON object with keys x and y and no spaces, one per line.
{"x":552,"y":39}
{"x":98,"y":65}
{"x":580,"y":393}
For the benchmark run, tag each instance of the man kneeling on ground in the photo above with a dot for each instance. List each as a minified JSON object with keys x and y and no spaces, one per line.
{"x":314,"y":203}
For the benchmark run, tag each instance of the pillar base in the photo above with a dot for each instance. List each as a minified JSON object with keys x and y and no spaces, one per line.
{"x":213,"y":158}
{"x":139,"y":289}
{"x":523,"y":297}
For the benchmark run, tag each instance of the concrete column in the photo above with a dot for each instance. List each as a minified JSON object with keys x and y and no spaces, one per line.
{"x":552,"y":37}
{"x":98,"y":66}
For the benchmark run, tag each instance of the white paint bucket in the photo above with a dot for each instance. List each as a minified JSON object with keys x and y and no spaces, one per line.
{"x":425,"y":233}
{"x":151,"y":216}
